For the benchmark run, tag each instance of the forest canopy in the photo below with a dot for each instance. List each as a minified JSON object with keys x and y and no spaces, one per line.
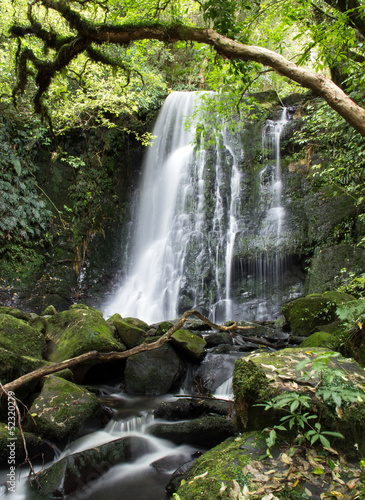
{"x":63,"y":54}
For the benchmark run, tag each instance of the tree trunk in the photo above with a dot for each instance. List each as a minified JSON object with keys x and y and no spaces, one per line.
{"x":319,"y":84}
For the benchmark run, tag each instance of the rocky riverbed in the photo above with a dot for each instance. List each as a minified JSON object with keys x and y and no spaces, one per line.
{"x":257,"y":360}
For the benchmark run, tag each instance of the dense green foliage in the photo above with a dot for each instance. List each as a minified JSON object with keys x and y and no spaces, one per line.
{"x":22,"y":213}
{"x":340,"y":152}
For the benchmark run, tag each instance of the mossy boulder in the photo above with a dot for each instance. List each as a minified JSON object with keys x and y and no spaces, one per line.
{"x":189,"y":344}
{"x":72,"y":473}
{"x":319,"y":339}
{"x":62,"y":409}
{"x":49,"y":311}
{"x":77,"y":331}
{"x":212,"y":475}
{"x":130,"y":334}
{"x":235,"y":469}
{"x":138,"y":322}
{"x":163,"y":327}
{"x":205,"y":431}
{"x":17,"y":336}
{"x":250,"y":385}
{"x":338,"y":298}
{"x":39,"y":323}
{"x":17,"y":313}
{"x":153,"y":372}
{"x":276,"y":373}
{"x":305,"y":314}
{"x":11,"y":447}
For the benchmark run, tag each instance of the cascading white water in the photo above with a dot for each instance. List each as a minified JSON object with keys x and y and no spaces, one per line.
{"x":151,"y":288}
{"x":271,"y":194}
{"x":186,"y":225}
{"x":263,"y":271}
{"x":271,"y":188}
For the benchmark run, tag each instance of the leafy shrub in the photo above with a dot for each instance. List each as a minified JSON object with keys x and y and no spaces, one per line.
{"x":23,"y":213}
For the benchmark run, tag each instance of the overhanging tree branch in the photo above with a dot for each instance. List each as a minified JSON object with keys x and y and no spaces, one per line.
{"x":124,"y":34}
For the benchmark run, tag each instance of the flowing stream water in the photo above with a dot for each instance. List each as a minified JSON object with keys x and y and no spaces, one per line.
{"x":146,"y":477}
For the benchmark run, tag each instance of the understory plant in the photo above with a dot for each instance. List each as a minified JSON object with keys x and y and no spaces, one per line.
{"x":334,"y":389}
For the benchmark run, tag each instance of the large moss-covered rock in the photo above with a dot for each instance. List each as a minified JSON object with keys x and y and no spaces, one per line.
{"x":80,"y":330}
{"x":138,"y":322}
{"x":153,"y":372}
{"x":319,"y":339}
{"x":14,"y":365}
{"x":12,"y":448}
{"x":17,"y":336}
{"x":17,"y":313}
{"x":276,"y":373}
{"x":212,"y":476}
{"x":129,"y":333}
{"x":338,"y":298}
{"x":188,"y":343}
{"x":235,"y":469}
{"x":163,"y":327}
{"x":250,"y":385}
{"x":72,"y":473}
{"x":305,"y":314}
{"x":62,"y":409}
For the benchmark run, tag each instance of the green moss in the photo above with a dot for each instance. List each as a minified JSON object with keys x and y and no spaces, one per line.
{"x":305,"y":314}
{"x":20,"y":338}
{"x":78,"y":331}
{"x":163,"y":327}
{"x":32,"y":441}
{"x":189,"y":343}
{"x":221,"y":465}
{"x":137,"y":322}
{"x":250,"y":385}
{"x":130,"y":334}
{"x":13,"y":365}
{"x":327,"y":266}
{"x":17,"y":313}
{"x":49,"y":311}
{"x":61,"y":408}
{"x":338,"y":298}
{"x":318,"y":339}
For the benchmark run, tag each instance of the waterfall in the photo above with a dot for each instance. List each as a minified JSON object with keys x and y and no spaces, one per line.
{"x":151,"y":289}
{"x":186,"y":224}
{"x":204,"y":237}
{"x":261,"y":273}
